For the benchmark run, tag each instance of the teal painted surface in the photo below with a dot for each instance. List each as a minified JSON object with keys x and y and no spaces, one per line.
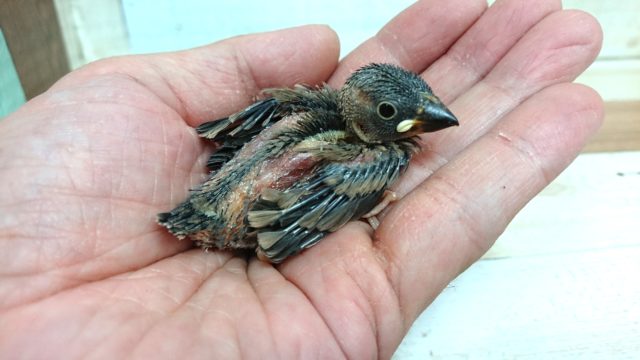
{"x":11,"y":94}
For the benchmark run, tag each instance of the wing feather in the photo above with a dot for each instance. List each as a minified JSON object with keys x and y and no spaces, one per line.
{"x":336,"y":194}
{"x":240,"y":128}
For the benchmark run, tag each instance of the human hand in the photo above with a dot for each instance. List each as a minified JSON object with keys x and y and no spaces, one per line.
{"x":88,"y":165}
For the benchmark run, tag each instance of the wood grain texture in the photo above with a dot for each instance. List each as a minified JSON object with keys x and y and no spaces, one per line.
{"x":615,"y":80}
{"x":571,"y":306}
{"x":621,"y":128}
{"x":594,"y":204}
{"x":33,"y":36}
{"x":562,"y":282}
{"x":92,"y":30}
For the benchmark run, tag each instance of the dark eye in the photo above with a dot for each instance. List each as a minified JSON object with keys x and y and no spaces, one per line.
{"x":386,"y":110}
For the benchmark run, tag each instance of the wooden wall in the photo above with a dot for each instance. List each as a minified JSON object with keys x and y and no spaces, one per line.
{"x":32,"y":33}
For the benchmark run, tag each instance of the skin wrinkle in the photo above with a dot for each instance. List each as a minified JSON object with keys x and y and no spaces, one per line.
{"x":245,"y":72}
{"x":89,"y":320}
{"x":160,"y":88}
{"x":181,"y":106}
{"x":552,"y":58}
{"x":183,"y":304}
{"x":74,"y":167}
{"x":114,"y":302}
{"x":228,"y":85}
{"x":370,"y":314}
{"x":391,"y":271}
{"x":427,"y":160}
{"x":92,"y":240}
{"x":521,"y":12}
{"x":559,"y":92}
{"x":174,"y":162}
{"x":165,"y":159}
{"x":428,"y":51}
{"x":107,"y":135}
{"x":321,"y":315}
{"x":506,"y":91}
{"x":463,"y":58}
{"x":149,"y":89}
{"x":116,"y":179}
{"x":197,"y":173}
{"x":451,"y":196}
{"x":98,"y":101}
{"x":69,"y":269}
{"x":519,"y":145}
{"x":290,"y":285}
{"x":518,"y":88}
{"x":452,"y":205}
{"x":262,"y":301}
{"x":345,"y":263}
{"x":374,"y":309}
{"x":455,"y":19}
{"x":399,"y":56}
{"x":219,"y":65}
{"x":295,"y":349}
{"x":387,"y":245}
{"x":228,"y":267}
{"x":574,"y":22}
{"x":508,"y":99}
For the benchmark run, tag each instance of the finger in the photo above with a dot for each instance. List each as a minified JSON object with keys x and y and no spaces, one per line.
{"x":216,"y":80}
{"x":456,"y":215}
{"x":556,"y":50}
{"x":414,"y":38}
{"x":484,"y":44}
{"x":342,"y":277}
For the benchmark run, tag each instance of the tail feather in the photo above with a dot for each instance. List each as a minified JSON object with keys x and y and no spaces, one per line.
{"x":183,"y":220}
{"x":211,"y":129}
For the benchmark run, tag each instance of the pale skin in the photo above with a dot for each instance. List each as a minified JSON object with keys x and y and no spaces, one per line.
{"x":86,"y":272}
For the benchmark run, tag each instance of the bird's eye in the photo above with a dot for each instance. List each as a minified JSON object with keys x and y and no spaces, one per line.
{"x":386,"y":110}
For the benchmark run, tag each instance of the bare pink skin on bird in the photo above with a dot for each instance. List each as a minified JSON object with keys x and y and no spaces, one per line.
{"x":277,"y":173}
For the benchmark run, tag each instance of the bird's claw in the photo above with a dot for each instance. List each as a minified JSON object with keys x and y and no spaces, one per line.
{"x":388,"y":197}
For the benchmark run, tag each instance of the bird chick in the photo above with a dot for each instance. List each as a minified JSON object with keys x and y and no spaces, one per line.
{"x":302,"y":162}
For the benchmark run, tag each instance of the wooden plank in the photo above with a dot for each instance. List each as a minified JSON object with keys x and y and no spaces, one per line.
{"x":560,"y":283}
{"x":92,"y":30}
{"x":11,"y":94}
{"x":615,"y":80}
{"x":593,"y":204}
{"x":34,"y":40}
{"x":574,"y":306}
{"x":621,"y":128}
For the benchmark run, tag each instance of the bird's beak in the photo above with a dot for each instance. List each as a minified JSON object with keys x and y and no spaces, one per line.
{"x":434,"y":117}
{"x":431,"y":116}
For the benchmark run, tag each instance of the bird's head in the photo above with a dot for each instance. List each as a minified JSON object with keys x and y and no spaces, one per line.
{"x":383,"y":102}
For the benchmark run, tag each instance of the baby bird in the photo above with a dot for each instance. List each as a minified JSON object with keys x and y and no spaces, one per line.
{"x":302,"y":162}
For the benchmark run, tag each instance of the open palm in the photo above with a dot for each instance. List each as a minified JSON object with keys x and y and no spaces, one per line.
{"x":86,"y":166}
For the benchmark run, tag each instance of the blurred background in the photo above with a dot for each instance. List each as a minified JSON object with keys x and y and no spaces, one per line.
{"x":562,"y":282}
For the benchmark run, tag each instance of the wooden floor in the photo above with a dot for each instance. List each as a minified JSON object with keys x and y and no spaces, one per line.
{"x":557,"y":284}
{"x":621,"y":130}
